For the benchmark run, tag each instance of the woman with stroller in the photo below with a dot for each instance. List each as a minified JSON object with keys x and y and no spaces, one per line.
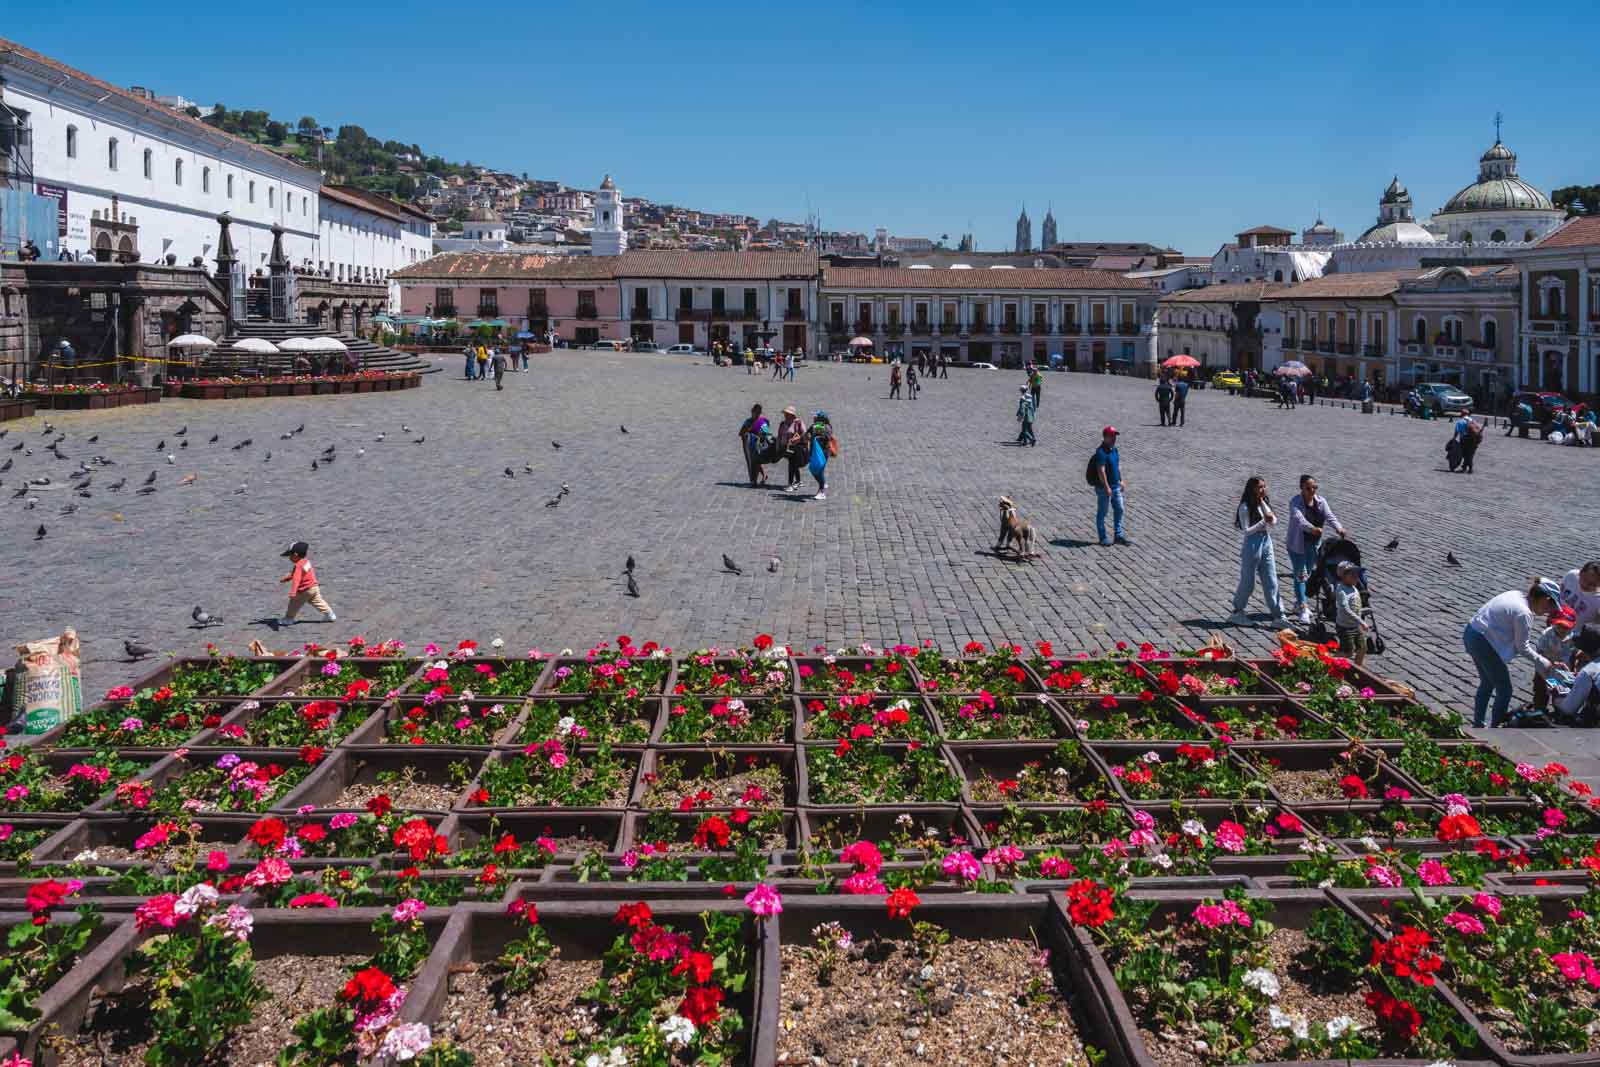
{"x":1309,"y":515}
{"x":1255,"y":519}
{"x":1501,"y":631}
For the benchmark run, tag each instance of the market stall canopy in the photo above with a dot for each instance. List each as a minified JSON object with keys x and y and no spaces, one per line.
{"x":254,"y":344}
{"x":860,"y":342}
{"x":327,"y":344}
{"x":191,"y":340}
{"x":297,"y":344}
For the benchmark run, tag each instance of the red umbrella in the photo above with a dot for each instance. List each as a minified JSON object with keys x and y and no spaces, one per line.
{"x":1182,"y":359}
{"x":860,"y":342}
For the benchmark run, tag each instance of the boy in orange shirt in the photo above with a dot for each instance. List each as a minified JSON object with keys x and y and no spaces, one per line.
{"x":303,"y":587}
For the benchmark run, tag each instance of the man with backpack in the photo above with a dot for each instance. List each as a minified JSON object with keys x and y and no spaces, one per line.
{"x":1105,"y":474}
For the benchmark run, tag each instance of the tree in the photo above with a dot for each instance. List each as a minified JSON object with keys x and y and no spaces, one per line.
{"x":405,"y":187}
{"x":307,"y":126}
{"x":1578,"y":199}
{"x":352,"y":137}
{"x":276,"y":132}
{"x":192,"y":111}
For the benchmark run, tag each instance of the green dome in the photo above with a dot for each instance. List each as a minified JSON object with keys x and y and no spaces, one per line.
{"x":1498,"y":194}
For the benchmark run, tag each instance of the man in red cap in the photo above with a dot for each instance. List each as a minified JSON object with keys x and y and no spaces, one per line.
{"x":1107,"y":466}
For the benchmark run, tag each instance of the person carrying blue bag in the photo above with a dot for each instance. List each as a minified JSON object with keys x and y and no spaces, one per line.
{"x":824,"y":446}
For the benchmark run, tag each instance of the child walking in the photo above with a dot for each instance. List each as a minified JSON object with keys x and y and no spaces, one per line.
{"x":303,"y":588}
{"x":1349,"y":625}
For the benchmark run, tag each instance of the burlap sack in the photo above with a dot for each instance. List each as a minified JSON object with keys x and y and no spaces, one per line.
{"x":46,"y":688}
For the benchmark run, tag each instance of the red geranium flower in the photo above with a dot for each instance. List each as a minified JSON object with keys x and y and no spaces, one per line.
{"x":369,"y":987}
{"x":267,"y":834}
{"x":1398,"y":1018}
{"x":380,"y":805}
{"x":1353,"y":787}
{"x":701,"y":1005}
{"x":712,"y":829}
{"x":698,"y":965}
{"x":900,"y":903}
{"x":1089,"y":903}
{"x":763,"y":642}
{"x":637,"y":915}
{"x":1462,"y":827}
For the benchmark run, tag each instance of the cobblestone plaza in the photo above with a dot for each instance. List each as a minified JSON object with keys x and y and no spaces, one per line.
{"x":433,"y":541}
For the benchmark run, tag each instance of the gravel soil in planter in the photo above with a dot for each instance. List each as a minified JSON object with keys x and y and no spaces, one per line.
{"x":717,"y":778}
{"x":21,"y":837}
{"x":55,"y":985}
{"x":1383,"y":718}
{"x":381,"y":674}
{"x":887,"y":673}
{"x":870,"y":772}
{"x":1253,"y":721}
{"x":889,"y":718}
{"x":1321,"y":774}
{"x":66,"y":781}
{"x":498,"y":678}
{"x":1064,"y":773}
{"x":291,"y":723}
{"x":1517,"y":971}
{"x":618,"y":719}
{"x":454,"y":724}
{"x":222,"y":781}
{"x":1158,"y":937}
{"x":1001,"y":673}
{"x":1111,"y":718}
{"x":1188,"y":771}
{"x":303,"y":959}
{"x":588,"y":776}
{"x":461,"y":991}
{"x":608,"y":674}
{"x":547,"y":837}
{"x":708,"y":674}
{"x":414,"y":779}
{"x":987,"y":717}
{"x":1000,"y":990}
{"x":727,"y":720}
{"x":110,"y":840}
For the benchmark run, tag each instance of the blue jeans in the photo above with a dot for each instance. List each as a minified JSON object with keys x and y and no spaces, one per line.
{"x":470,"y":362}
{"x":1102,"y":501}
{"x":1301,"y":563}
{"x":1493,"y":677}
{"x":1026,"y":436}
{"x":1256,"y":560}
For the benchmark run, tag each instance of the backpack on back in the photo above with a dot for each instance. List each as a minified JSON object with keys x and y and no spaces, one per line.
{"x":1091,"y":473}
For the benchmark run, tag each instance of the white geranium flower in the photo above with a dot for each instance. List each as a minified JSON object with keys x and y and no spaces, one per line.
{"x":1370,"y":843}
{"x":615,"y":1058}
{"x":1262,"y":981}
{"x":1162,"y":860}
{"x":1340,"y":1025}
{"x":1442,"y":1063}
{"x":1209,"y":764}
{"x":566,"y":652}
{"x":1278,"y":1019}
{"x":1301,"y":1028}
{"x":677,"y":1031}
{"x":1193,"y":828}
{"x":565,"y":725}
{"x":1151,"y":757}
{"x":497,"y":643}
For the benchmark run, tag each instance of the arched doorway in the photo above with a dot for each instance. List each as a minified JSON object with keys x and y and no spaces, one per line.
{"x":102,"y":248}
{"x":125,"y":251}
{"x":338,"y":318}
{"x":1553,"y":370}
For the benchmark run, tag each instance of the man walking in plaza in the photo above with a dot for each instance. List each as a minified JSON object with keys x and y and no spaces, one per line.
{"x":1164,"y":399}
{"x":1025,"y":413}
{"x":944,"y":365}
{"x":1036,"y":385}
{"x":499,"y":361}
{"x":1180,"y":397}
{"x":1107,"y":467}
{"x":894,"y":382}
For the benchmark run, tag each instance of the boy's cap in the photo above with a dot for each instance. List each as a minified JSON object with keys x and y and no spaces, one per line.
{"x":1112,"y":430}
{"x":1564,"y":617}
{"x":299,"y":548}
{"x":1348,"y":568}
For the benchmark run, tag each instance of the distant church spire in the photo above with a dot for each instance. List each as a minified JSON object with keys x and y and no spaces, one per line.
{"x":1047,"y":234}
{"x":1024,"y":231}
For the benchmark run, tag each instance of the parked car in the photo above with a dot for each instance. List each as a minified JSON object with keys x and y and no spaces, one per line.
{"x":1545,"y":405}
{"x":983,"y":366}
{"x":683,"y":350}
{"x":1441,"y":398}
{"x":1227,"y":379}
{"x":646,"y":346}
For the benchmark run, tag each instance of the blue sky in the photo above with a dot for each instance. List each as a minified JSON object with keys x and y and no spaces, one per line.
{"x":1139,"y":122}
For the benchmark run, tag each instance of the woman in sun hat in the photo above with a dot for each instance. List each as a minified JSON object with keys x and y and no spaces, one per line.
{"x":791,"y":446}
{"x":1501,"y":631}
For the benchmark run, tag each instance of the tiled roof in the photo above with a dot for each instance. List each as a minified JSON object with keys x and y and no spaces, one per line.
{"x":754,"y":266}
{"x":363,"y":200}
{"x":510,"y":265}
{"x":1574,"y":233}
{"x":1020,"y":278}
{"x":1335,"y":286}
{"x":1264,"y":230}
{"x":24,"y":52}
{"x":1225,"y":294}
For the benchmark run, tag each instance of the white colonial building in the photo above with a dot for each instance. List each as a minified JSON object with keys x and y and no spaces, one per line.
{"x":138,"y":181}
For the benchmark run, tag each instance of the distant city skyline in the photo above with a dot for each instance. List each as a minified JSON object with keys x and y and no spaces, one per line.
{"x":1135,"y":127}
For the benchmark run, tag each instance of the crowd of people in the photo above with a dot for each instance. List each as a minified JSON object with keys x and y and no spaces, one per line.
{"x":1566,"y":655}
{"x":801,"y":446}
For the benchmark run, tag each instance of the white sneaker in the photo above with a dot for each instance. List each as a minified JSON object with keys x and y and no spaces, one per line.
{"x":1305,"y":615}
{"x":820,"y":496}
{"x":332,"y":617}
{"x":1239,"y":618}
{"x":285,"y":622}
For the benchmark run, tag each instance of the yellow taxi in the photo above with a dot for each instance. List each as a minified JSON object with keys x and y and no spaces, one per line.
{"x":1227,"y":379}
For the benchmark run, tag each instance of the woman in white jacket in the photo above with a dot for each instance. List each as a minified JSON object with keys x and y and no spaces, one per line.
{"x":1256,"y":520}
{"x":1501,"y":631}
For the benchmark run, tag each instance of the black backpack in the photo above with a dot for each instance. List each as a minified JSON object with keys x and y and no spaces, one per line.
{"x":1091,"y":473}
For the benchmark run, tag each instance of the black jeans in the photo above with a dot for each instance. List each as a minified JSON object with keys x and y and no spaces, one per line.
{"x":796,"y":464}
{"x":1177,"y":418}
{"x":1166,"y":407}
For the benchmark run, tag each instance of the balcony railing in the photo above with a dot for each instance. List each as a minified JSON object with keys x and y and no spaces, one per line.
{"x":488,"y":311}
{"x":1414,"y":348}
{"x":1446,"y":352}
{"x":748,"y":314}
{"x":683,"y":314}
{"x":444,"y":311}
{"x":1325,"y":346}
{"x":1347,"y":348}
{"x":640,"y":313}
{"x":895,"y":329}
{"x":794,"y":314}
{"x":1011,"y":327}
{"x":1099,"y":328}
{"x":838,"y":329}
{"x":1070,"y":326}
{"x":949,"y":327}
{"x":1372,"y":350}
{"x":538,"y":311}
{"x":1128,"y":329}
{"x":981,"y":328}
{"x":862,"y":327}
{"x":922,"y":327}
{"x":588,"y":311}
{"x":1558,"y":326}
{"x":1038,"y":326}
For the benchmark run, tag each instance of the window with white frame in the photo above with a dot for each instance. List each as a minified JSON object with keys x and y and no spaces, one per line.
{"x":250,"y":192}
{"x":227,"y":186}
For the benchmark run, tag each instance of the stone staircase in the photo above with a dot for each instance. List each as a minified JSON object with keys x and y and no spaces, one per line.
{"x":369,"y":355}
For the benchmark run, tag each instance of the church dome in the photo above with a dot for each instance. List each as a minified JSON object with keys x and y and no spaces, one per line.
{"x":1395,"y":192}
{"x":482,"y":214}
{"x":1498,"y":194}
{"x":1398,"y":233}
{"x":1320,"y":227}
{"x":1496,"y":151}
{"x":607,"y":183}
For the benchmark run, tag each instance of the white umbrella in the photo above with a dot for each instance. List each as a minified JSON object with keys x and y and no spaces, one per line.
{"x":254,"y":344}
{"x":327,"y":344}
{"x":297,"y":344}
{"x":191,"y":340}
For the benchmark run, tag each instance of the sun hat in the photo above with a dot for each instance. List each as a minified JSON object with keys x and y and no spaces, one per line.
{"x":789,"y":410}
{"x":1347,"y":567}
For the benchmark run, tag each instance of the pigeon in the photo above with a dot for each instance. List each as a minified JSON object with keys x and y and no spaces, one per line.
{"x":48,"y":428}
{"x":137,"y":651}
{"x":243,"y":444}
{"x":381,"y":435}
{"x":7,"y":466}
{"x":301,"y":428}
{"x":146,"y":490}
{"x":118,"y":484}
{"x":17,"y":447}
{"x":624,"y":429}
{"x":204,"y":617}
{"x":104,"y":462}
{"x":181,"y":432}
{"x":268,"y":456}
{"x":171,"y":459}
{"x":565,"y":488}
{"x":555,"y":444}
{"x":85,"y":494}
{"x":527,"y":468}
{"x":214,"y":438}
{"x":187,"y":479}
{"x":39,"y":481}
{"x":627,"y":568}
{"x":242,"y":487}
{"x":421,"y":439}
{"x":1392,"y":545}
{"x":285,"y":435}
{"x":30,"y":503}
{"x":1450,"y":560}
{"x":404,"y":428}
{"x":510,"y":473}
{"x":314,"y":465}
{"x":3,"y":433}
{"x":553,"y":503}
{"x":161,"y":446}
{"x":151,"y":480}
{"x":729,"y":565}
{"x":93,"y":439}
{"x":329,"y":450}
{"x":69,"y":509}
{"x":38,"y":535}
{"x":772,"y":565}
{"x":633,"y":587}
{"x":360,"y":452}
{"x":20,"y":493}
{"x":183,"y":444}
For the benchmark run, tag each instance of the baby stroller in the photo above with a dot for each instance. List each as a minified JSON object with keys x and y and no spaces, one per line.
{"x":1320,"y":588}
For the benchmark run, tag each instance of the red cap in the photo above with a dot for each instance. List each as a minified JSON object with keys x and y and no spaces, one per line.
{"x":1112,"y":430}
{"x":1564,"y":616}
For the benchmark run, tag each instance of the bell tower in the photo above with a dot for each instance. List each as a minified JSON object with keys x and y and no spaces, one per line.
{"x":607,"y":238}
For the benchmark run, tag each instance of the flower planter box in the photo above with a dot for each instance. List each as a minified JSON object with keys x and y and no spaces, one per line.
{"x":1266,"y":721}
{"x":574,"y":676}
{"x":363,"y":385}
{"x":763,"y":720}
{"x":855,"y":674}
{"x":63,"y":1004}
{"x":205,"y":392}
{"x":346,"y":386}
{"x":617,"y":719}
{"x":59,"y":763}
{"x":383,"y":672}
{"x":582,"y":932}
{"x":114,"y":836}
{"x":27,"y":835}
{"x":833,"y":829}
{"x":971,"y":674}
{"x":175,"y":767}
{"x":279,"y":389}
{"x":627,"y":756}
{"x":784,"y":836}
{"x":324,"y":388}
{"x":993,"y":771}
{"x":485,"y":676}
{"x":1113,"y":1019}
{"x":729,"y":764}
{"x":102,"y":725}
{"x":745,"y":676}
{"x":1132,"y":719}
{"x":989,"y":717}
{"x":280,"y":722}
{"x":1357,"y":678}
{"x":236,"y":392}
{"x":575,"y":831}
{"x":347,"y":770}
{"x":388,"y":728}
{"x":1377,"y":720}
{"x":173,"y":672}
{"x":1310,"y":764}
{"x":813,"y":795}
{"x":302,"y":388}
{"x":257,"y":392}
{"x":828,"y":717}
